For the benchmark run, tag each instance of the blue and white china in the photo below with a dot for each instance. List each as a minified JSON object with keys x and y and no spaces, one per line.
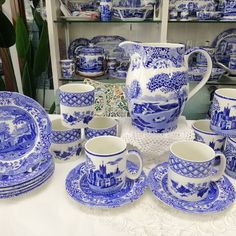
{"x":184,"y":15}
{"x":67,"y":68}
{"x":25,"y":131}
{"x":173,"y":14}
{"x":77,"y":104}
{"x":204,"y":134}
{"x":90,"y":61}
{"x":100,"y":126}
{"x":66,"y":142}
{"x":230,"y":154}
{"x":106,"y":164}
{"x":223,"y":112}
{"x":209,"y":15}
{"x":157,"y":84}
{"x":229,"y":10}
{"x":78,"y":188}
{"x":196,"y":73}
{"x":220,"y":195}
{"x":75,"y":45}
{"x":190,"y":170}
{"x":201,"y":60}
{"x":105,"y":10}
{"x":8,"y":181}
{"x":132,"y":13}
{"x":232,"y":62}
{"x":135,"y":3}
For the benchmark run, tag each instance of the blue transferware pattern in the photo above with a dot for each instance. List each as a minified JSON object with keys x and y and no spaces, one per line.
{"x":190,"y":169}
{"x":229,"y":9}
{"x":31,"y":173}
{"x":75,"y":46}
{"x":196,"y":74}
{"x":67,"y":68}
{"x":209,"y":15}
{"x":91,"y":133}
{"x":76,"y":100}
{"x":68,"y":153}
{"x":230,"y":153}
{"x":67,"y":136}
{"x":223,"y":120}
{"x":232,"y":62}
{"x":106,"y":10}
{"x":78,"y":188}
{"x":77,"y":117}
{"x":25,"y":131}
{"x":220,"y":195}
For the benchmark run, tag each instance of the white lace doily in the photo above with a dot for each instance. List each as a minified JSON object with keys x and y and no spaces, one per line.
{"x":152,"y":145}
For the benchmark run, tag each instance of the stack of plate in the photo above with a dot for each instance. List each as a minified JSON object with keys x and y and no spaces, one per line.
{"x":25,"y":160}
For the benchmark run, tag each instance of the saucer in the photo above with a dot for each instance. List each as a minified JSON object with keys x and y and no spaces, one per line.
{"x":221,"y":194}
{"x":78,"y":188}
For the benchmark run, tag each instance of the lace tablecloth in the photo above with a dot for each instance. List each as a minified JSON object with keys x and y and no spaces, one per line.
{"x":49,"y":211}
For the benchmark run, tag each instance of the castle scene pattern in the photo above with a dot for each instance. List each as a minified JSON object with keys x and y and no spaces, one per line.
{"x":102,"y":179}
{"x":91,"y":65}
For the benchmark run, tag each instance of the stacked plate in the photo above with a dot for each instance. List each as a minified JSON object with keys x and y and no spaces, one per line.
{"x":25,"y":129}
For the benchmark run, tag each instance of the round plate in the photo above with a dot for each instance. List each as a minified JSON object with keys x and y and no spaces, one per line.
{"x":25,"y":131}
{"x":221,"y":194}
{"x":78,"y":188}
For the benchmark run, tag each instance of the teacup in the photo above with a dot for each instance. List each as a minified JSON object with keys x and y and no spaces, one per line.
{"x":223,"y":112}
{"x":100,"y":126}
{"x":77,"y":104}
{"x":106,"y":164}
{"x":204,"y":134}
{"x":190,"y":170}
{"x":67,"y":68}
{"x":66,"y":142}
{"x":230,"y":154}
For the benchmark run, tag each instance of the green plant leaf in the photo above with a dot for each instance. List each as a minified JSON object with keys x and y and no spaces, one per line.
{"x":22,"y":38}
{"x":41,"y":59}
{"x":2,"y":84}
{"x":7,"y":32}
{"x":38,"y":20}
{"x":52,"y":108}
{"x":35,"y":3}
{"x":2,"y":2}
{"x":26,"y":82}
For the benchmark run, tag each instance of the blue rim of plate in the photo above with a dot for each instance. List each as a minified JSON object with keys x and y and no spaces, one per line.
{"x":77,"y":187}
{"x":19,"y":192}
{"x":221,"y":194}
{"x":29,"y":183}
{"x":26,"y":129}
{"x":7,"y":181}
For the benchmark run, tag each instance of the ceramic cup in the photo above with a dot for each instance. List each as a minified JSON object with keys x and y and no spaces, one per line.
{"x":77,"y":104}
{"x":190,"y":170}
{"x":66,"y":142}
{"x":100,"y":126}
{"x":106,"y":163}
{"x":223,"y":112}
{"x":106,"y":10}
{"x":204,"y":134}
{"x":67,"y":68}
{"x":230,"y":154}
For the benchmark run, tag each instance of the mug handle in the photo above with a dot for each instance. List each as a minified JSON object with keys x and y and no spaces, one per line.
{"x":136,"y":154}
{"x":206,"y":75}
{"x":101,"y":93}
{"x":222,"y":167}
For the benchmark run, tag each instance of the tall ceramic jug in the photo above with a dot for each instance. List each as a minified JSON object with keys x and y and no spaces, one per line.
{"x":157,"y":84}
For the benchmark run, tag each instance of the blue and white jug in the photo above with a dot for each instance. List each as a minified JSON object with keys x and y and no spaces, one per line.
{"x":157,"y":84}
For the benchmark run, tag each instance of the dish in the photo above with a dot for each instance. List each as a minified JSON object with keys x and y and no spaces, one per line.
{"x":221,"y":194}
{"x":25,"y":131}
{"x":75,"y":45}
{"x":78,"y":188}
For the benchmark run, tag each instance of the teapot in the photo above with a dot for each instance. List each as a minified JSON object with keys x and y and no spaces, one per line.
{"x":157,"y":83}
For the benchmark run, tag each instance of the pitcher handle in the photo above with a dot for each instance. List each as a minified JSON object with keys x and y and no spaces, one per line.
{"x":206,"y":75}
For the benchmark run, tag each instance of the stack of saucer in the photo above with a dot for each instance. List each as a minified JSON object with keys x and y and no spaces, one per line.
{"x":25,"y":160}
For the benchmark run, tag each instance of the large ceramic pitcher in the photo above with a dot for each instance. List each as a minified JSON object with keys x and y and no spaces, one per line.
{"x":157,"y":84}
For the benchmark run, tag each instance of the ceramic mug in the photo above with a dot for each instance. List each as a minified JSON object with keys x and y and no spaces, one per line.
{"x":223,"y":112}
{"x":106,"y":10}
{"x":67,"y":68}
{"x":100,"y":126}
{"x":204,"y":134}
{"x":106,"y":164}
{"x":190,"y":170}
{"x":77,"y":104}
{"x":66,"y":142}
{"x":230,"y":154}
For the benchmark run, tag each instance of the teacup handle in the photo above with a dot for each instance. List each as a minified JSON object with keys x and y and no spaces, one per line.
{"x":138,"y":173}
{"x":206,"y":75}
{"x":101,"y":93}
{"x":222,"y":167}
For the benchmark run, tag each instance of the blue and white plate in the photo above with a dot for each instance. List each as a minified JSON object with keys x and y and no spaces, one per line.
{"x":221,"y":194}
{"x":25,"y":131}
{"x":78,"y":188}
{"x":8,"y":181}
{"x":75,"y":45}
